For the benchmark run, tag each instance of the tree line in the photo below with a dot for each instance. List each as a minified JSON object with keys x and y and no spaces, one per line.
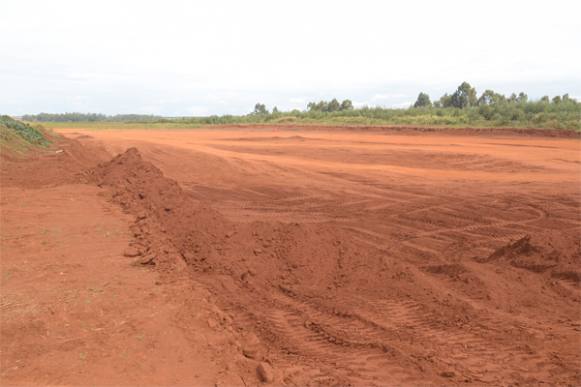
{"x":463,"y":107}
{"x":465,"y":96}
{"x":322,"y":106}
{"x":89,"y":117}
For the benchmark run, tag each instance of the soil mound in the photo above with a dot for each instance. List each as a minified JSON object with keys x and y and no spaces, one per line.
{"x":523,"y":254}
{"x":317,"y":293}
{"x":270,"y":252}
{"x":546,"y":252}
{"x":161,"y":206}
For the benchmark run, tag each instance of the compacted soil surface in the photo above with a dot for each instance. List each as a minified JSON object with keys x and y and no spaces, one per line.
{"x":308,"y":256}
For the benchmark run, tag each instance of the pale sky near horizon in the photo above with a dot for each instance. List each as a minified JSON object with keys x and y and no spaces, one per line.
{"x":180,"y":58}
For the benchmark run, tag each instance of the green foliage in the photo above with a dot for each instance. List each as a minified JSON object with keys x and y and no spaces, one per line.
{"x":522,"y":98}
{"x":461,"y":108}
{"x":346,"y":105}
{"x":532,"y":114}
{"x":260,"y":108}
{"x":464,"y":96}
{"x":423,"y":101}
{"x":31,"y":135}
{"x":445,"y":101}
{"x":329,"y":107}
{"x":334,"y":105}
{"x":489,"y":97}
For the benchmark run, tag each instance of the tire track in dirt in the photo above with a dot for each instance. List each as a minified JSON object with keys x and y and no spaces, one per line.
{"x":353,"y":345}
{"x":405,"y":301}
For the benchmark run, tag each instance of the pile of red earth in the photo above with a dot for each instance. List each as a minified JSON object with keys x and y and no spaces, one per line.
{"x":309,"y":294}
{"x":205,"y":239}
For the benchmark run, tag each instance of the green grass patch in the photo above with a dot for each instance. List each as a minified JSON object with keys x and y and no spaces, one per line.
{"x":30,"y":134}
{"x":18,"y":138}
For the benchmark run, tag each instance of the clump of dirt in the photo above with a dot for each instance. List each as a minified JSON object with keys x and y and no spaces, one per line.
{"x":452,"y":270}
{"x":167,"y":217}
{"x":519,"y":247}
{"x":538,"y":256}
{"x":571,"y":276}
{"x":524,"y":255}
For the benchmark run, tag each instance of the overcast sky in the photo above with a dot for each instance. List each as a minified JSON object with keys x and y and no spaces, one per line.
{"x":214,"y":57}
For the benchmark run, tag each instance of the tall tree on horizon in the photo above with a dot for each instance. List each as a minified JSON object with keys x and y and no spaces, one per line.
{"x":423,"y":101}
{"x":464,"y":96}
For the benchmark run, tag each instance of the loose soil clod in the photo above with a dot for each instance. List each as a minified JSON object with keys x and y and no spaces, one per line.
{"x":265,"y":372}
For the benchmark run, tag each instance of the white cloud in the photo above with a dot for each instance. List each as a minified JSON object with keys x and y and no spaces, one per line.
{"x":226,"y":55}
{"x":198,"y":111}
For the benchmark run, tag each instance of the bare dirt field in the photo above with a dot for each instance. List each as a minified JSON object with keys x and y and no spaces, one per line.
{"x":297,"y":257}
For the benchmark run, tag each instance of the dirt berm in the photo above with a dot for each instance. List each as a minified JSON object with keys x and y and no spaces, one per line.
{"x":324,"y":309}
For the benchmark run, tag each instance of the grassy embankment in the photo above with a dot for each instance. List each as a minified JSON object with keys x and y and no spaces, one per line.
{"x":17,"y":138}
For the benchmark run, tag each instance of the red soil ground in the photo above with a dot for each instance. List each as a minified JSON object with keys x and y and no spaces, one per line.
{"x":321,"y":256}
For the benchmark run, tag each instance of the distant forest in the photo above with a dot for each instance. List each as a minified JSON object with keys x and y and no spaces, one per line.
{"x":462,"y":107}
{"x":89,"y":117}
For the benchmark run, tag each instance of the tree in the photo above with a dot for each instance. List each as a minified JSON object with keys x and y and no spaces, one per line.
{"x":446,"y":101}
{"x":423,"y":101}
{"x":464,"y":96}
{"x":489,"y":97}
{"x":545,"y":99}
{"x":522,"y":98}
{"x":346,"y":105}
{"x":275,"y":110}
{"x":334,"y":105}
{"x":320,"y":106}
{"x":557,"y":99}
{"x":260,"y":108}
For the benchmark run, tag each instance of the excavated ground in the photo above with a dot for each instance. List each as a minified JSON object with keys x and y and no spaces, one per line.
{"x":352,"y":257}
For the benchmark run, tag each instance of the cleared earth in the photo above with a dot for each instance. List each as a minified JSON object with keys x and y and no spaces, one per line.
{"x":356,"y":257}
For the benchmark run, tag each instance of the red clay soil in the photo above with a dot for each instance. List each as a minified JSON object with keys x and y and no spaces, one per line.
{"x":349,"y":258}
{"x":78,"y":307}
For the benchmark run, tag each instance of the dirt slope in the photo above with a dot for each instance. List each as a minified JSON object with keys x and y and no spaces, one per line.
{"x":77,"y":307}
{"x":311,"y":292}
